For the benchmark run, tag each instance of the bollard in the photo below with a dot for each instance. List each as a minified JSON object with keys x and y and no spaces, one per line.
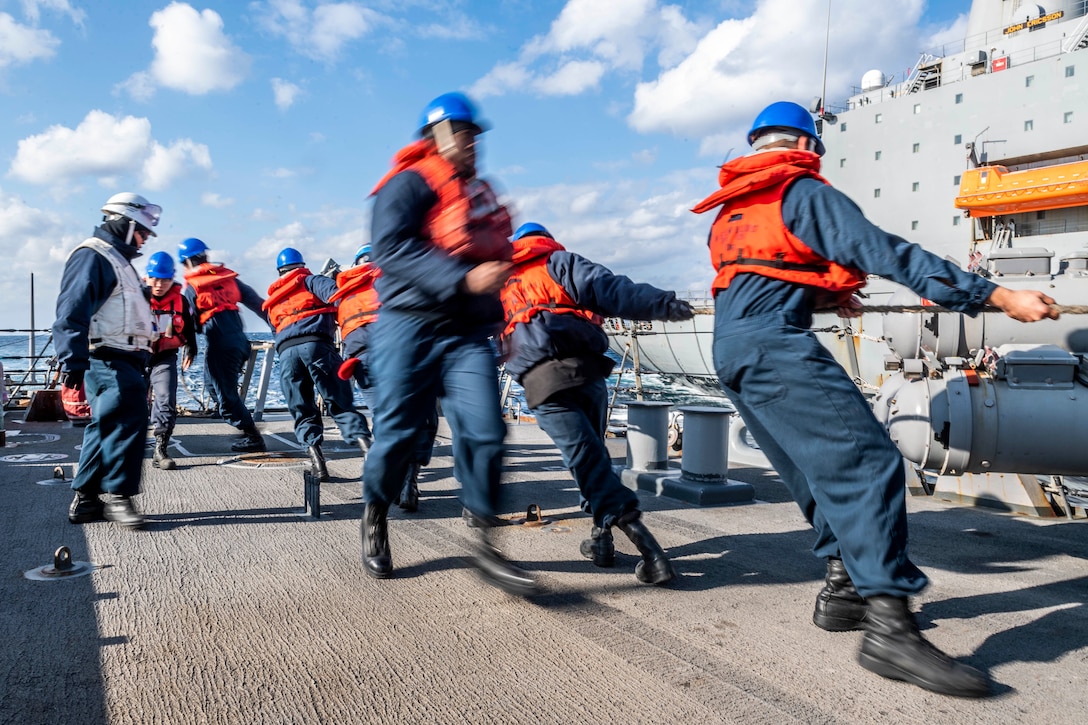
{"x":706,"y":456}
{"x":648,"y":435}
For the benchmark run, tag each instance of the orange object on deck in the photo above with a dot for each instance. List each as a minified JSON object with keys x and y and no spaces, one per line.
{"x":992,"y":190}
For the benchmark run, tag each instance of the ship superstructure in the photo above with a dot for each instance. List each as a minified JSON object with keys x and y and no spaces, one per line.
{"x":1012,"y":94}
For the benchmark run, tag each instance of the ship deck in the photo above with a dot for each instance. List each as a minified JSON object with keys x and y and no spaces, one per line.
{"x":232,"y":607}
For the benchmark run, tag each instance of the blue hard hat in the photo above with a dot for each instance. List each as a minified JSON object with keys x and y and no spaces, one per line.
{"x":531,"y":228}
{"x":363,"y":251}
{"x":786,"y":115}
{"x":191,"y":247}
{"x":160,"y":266}
{"x":289,"y":259}
{"x":452,"y":107}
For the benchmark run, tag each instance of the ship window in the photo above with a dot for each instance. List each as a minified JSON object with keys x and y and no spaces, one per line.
{"x":1040,"y":215}
{"x":914,"y":226}
{"x":1069,"y":71}
{"x":917,"y":108}
{"x":959,"y":98}
{"x":956,"y":180}
{"x":1028,"y":81}
{"x":876,"y":156}
{"x":876,"y":193}
{"x":914,"y":186}
{"x":955,"y":221}
{"x":1029,"y":125}
{"x":842,"y":128}
{"x":842,"y":163}
{"x":1069,"y":117}
{"x":916,"y":147}
{"x":879,"y":117}
{"x":957,"y":139}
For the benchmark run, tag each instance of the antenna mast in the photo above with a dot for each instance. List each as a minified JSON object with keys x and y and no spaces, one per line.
{"x":827,"y":45}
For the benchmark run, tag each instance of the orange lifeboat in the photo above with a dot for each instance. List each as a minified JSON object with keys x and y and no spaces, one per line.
{"x":993,"y":190}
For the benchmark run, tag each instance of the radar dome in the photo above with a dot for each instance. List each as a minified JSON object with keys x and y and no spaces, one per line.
{"x":873,"y":80}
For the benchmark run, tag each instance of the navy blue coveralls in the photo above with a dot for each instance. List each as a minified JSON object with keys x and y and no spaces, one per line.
{"x":559,"y":359}
{"x":163,"y":374}
{"x":111,"y":458}
{"x":805,"y":412}
{"x":226,"y":352}
{"x":357,"y":345}
{"x":309,"y":361}
{"x":430,"y":341}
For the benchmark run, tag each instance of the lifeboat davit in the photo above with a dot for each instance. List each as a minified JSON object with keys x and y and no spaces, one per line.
{"x":992,"y":190}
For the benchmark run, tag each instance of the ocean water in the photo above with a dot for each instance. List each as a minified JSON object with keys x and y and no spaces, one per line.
{"x":15,"y":357}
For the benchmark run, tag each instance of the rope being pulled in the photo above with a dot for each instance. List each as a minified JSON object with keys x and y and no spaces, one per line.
{"x":886,"y":309}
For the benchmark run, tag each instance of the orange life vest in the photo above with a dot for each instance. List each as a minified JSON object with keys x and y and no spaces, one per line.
{"x":468,"y":220}
{"x":357,"y":297}
{"x":170,"y":325}
{"x":216,"y":289}
{"x":289,"y":301}
{"x":749,"y":236}
{"x":530,"y":290}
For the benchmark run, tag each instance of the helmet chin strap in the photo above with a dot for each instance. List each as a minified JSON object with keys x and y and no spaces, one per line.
{"x":131,"y":231}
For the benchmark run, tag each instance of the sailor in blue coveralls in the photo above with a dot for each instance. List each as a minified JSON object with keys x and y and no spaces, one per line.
{"x":102,"y":335}
{"x":305,"y":323}
{"x":553,"y":344}
{"x":441,"y":240}
{"x":785,"y":243}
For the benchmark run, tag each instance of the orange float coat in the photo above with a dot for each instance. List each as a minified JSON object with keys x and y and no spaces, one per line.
{"x":530,"y":290}
{"x":290,"y":301}
{"x":216,"y":289}
{"x":468,"y":221}
{"x":749,"y":236}
{"x":166,"y":312}
{"x":357,"y":297}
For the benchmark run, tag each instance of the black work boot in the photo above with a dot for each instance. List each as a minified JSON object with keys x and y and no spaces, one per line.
{"x":654,"y":567}
{"x":162,"y":457}
{"x":894,"y":648}
{"x":600,"y":547}
{"x":497,"y":571}
{"x":409,"y":496}
{"x":317,"y":463}
{"x":120,"y":510}
{"x":250,"y":441}
{"x":377,"y":560}
{"x":839,"y":607}
{"x":86,"y":508}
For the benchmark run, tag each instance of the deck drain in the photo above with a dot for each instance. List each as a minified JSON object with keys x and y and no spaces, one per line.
{"x":62,"y":568}
{"x":267,"y":460}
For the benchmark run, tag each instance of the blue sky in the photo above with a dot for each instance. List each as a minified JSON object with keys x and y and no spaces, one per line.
{"x":264,"y":124}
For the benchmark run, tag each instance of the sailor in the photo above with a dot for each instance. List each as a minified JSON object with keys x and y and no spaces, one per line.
{"x":102,"y":336}
{"x":215,"y":292}
{"x":441,"y":239}
{"x":357,"y":309}
{"x":299,"y":310}
{"x":785,"y":243}
{"x":173,"y":328}
{"x":553,"y":344}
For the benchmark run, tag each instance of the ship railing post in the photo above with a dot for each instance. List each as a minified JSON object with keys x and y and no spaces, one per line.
{"x":262,"y":385}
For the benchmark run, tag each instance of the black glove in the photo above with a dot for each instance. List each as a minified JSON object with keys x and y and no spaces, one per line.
{"x":73,"y":379}
{"x":679,"y":310}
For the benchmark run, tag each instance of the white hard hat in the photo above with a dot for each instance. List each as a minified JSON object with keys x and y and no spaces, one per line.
{"x":134,"y":207}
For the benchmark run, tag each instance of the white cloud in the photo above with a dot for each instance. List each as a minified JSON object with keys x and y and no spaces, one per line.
{"x":281,"y":173}
{"x":167,"y":163}
{"x":285,"y":93}
{"x":215,"y":201}
{"x":31,"y":8}
{"x":103,"y":146}
{"x":22,"y":44}
{"x":320,"y":34}
{"x":192,"y":54}
{"x":586,"y":41}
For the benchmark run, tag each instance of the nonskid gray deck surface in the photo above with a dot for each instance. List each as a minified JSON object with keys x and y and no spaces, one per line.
{"x":232,"y":608}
